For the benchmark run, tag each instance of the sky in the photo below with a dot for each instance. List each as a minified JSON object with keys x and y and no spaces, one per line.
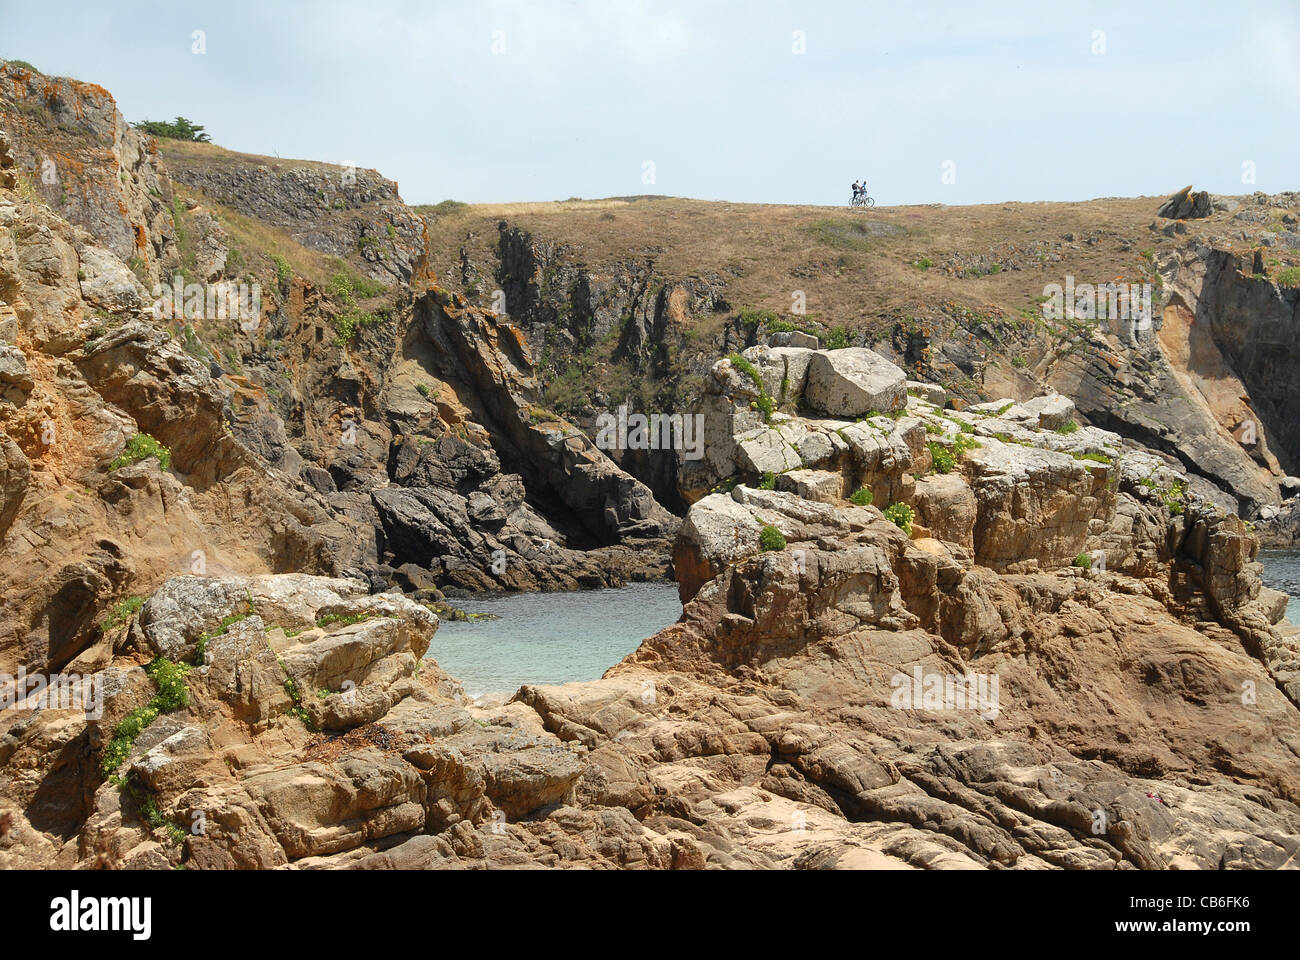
{"x":764,"y":101}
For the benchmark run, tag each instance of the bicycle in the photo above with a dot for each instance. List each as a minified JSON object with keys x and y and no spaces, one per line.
{"x":862,"y":200}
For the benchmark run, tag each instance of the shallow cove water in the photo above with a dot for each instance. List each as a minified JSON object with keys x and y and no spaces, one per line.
{"x":1282,"y":572}
{"x":550,"y":637}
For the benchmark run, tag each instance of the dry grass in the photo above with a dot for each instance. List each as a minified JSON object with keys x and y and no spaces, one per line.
{"x":253,"y":236}
{"x":210,"y":155}
{"x":855,"y":267}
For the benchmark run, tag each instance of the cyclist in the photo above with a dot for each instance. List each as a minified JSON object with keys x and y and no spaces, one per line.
{"x":857,"y":189}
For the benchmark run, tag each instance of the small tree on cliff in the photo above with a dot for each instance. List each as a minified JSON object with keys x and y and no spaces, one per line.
{"x":178,"y":129}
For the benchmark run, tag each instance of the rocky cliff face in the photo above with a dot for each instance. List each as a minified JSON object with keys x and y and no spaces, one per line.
{"x":75,"y":151}
{"x":343,"y":211}
{"x":952,"y":689}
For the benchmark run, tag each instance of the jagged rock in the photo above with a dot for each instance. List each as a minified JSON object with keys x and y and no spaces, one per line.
{"x":15,"y":473}
{"x":182,"y":609}
{"x":946,"y":506}
{"x":106,"y":282}
{"x":784,"y":721}
{"x":15,"y":380}
{"x":1186,"y":205}
{"x":92,"y":166}
{"x":307,"y":201}
{"x":1036,"y":508}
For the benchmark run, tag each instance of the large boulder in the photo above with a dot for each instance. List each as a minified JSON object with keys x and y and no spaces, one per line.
{"x":1186,"y":205}
{"x":854,"y":381}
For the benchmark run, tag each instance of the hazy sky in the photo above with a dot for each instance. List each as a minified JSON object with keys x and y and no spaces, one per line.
{"x":505,"y":100}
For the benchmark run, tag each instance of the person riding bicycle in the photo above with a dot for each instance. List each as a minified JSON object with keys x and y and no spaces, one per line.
{"x":858,"y":189}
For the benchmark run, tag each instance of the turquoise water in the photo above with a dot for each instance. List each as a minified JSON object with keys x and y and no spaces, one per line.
{"x":1282,"y":572}
{"x":550,"y":637}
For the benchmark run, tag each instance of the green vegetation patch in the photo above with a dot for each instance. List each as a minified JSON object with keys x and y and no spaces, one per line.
{"x":347,"y":619}
{"x":850,"y":233}
{"x":1093,"y":457}
{"x":171,"y":695}
{"x":770,"y":538}
{"x":445,"y":208}
{"x":941,"y":457}
{"x":766,"y":403}
{"x":178,"y":129}
{"x":141,"y":447}
{"x":121,"y":613}
{"x":349,"y":289}
{"x":901,"y":516}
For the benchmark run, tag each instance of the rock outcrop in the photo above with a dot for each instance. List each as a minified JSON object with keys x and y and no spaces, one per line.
{"x":343,"y":211}
{"x":1186,"y":205}
{"x":77,"y":152}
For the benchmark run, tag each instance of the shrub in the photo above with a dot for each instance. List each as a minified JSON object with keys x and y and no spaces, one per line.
{"x":1083,"y":560}
{"x":861,"y":497}
{"x":121,"y":613}
{"x":901,"y":516}
{"x":1175,"y":498}
{"x":941,"y":457}
{"x":448,"y":207}
{"x":923,"y":263}
{"x":347,"y":323}
{"x":837,"y":338}
{"x":172,"y":695}
{"x":178,"y":129}
{"x":753,"y":317}
{"x":1093,"y":457}
{"x":423,"y":389}
{"x":964,"y":442}
{"x":283,"y":271}
{"x":1070,"y":426}
{"x":770,"y":538}
{"x":765,"y":403}
{"x":768,"y":482}
{"x":347,"y":619}
{"x":170,"y":678}
{"x":1019,"y":363}
{"x":141,"y":447}
{"x":1290,"y":277}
